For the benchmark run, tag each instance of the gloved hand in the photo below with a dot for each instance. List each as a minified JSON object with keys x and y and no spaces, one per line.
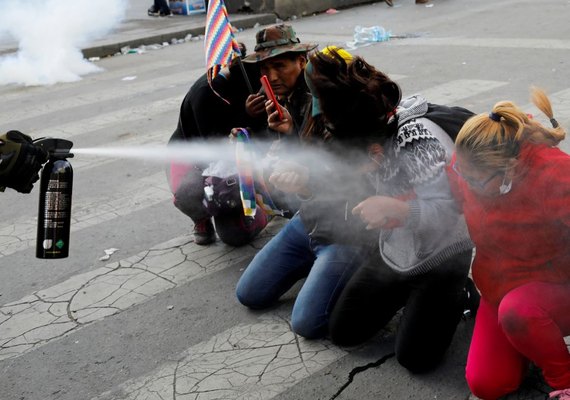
{"x":20,"y":161}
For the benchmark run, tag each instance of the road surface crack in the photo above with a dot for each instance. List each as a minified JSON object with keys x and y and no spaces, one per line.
{"x":360,"y":369}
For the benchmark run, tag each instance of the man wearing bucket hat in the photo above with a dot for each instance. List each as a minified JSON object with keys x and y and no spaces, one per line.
{"x":282,"y":58}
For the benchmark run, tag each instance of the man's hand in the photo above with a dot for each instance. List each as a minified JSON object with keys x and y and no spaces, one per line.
{"x":382,"y":212}
{"x":20,"y":161}
{"x":284,"y":125}
{"x":255,"y":105}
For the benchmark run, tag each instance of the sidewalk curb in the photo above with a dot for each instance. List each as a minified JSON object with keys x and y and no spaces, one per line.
{"x":166,"y":35}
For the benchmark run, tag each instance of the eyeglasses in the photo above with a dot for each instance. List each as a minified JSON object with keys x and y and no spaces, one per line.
{"x":480,"y":184}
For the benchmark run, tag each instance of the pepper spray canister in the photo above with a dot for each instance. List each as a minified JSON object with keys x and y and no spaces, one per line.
{"x":54,"y":213}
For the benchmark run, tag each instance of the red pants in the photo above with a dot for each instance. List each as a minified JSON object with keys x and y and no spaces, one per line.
{"x":529,"y":326}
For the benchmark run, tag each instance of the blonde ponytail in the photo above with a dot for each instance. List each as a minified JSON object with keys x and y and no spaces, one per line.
{"x":551,"y":136}
{"x":491,"y":140}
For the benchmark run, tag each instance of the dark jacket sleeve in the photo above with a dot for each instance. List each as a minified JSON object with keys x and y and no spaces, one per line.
{"x":327,"y":215}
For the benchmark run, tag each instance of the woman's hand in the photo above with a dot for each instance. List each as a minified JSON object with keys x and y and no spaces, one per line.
{"x":290,"y":177}
{"x":382,"y":212}
{"x":284,"y":125}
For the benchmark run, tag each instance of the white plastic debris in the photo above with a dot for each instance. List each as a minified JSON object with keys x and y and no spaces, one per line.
{"x":170,"y":307}
{"x":129,"y":78}
{"x":365,"y":36}
{"x":108,"y":253}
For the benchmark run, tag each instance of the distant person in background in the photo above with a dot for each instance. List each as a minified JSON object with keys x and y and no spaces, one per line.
{"x":160,"y":8}
{"x":513,"y":183}
{"x":391,"y":3}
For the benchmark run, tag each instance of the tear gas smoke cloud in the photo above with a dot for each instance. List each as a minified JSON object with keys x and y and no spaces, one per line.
{"x":50,"y":35}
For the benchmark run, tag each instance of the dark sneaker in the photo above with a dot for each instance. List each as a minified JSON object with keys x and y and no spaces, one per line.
{"x":204,"y":232}
{"x":152,"y":12}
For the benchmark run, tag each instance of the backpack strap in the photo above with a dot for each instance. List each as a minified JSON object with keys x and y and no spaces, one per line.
{"x":450,"y":119}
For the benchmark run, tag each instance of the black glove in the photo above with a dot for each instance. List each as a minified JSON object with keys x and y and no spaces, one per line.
{"x":20,"y":161}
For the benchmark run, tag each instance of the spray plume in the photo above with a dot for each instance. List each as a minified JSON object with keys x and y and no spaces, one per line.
{"x":50,"y":35}
{"x":180,"y":152}
{"x":320,"y":162}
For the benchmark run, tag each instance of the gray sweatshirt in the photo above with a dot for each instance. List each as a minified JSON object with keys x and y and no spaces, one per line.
{"x":414,"y":169}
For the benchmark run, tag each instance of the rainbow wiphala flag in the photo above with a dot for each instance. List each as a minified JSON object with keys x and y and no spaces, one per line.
{"x":220,"y":44}
{"x":253,"y":191}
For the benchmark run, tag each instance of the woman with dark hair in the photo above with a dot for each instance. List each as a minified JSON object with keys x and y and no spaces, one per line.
{"x":423,"y":251}
{"x":323,"y":243}
{"x":423,"y":238}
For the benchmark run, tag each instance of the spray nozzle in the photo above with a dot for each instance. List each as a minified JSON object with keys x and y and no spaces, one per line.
{"x":56,"y":148}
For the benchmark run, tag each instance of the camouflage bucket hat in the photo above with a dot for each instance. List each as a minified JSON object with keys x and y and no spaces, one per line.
{"x":277,"y":40}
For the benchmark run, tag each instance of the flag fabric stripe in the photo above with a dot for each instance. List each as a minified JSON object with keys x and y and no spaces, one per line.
{"x":253,"y":190}
{"x":220,"y":44}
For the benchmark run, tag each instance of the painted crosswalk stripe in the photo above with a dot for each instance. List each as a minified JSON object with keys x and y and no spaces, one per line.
{"x":140,"y":88}
{"x":109,"y":120}
{"x":452,"y":92}
{"x":256,"y":361}
{"x":19,"y":94}
{"x":501,"y":43}
{"x":20,"y":234}
{"x":51,"y":313}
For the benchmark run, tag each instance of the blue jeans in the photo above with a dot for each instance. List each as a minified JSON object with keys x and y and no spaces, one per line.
{"x":290,"y":256}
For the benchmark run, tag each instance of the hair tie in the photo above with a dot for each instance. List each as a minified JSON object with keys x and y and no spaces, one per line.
{"x":494,"y":116}
{"x":554,"y":123}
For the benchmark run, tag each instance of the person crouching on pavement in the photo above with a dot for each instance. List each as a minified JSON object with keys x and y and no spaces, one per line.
{"x":514,"y":185}
{"x":320,"y":244}
{"x":420,"y":258}
{"x":208,"y":113}
{"x":280,"y":55}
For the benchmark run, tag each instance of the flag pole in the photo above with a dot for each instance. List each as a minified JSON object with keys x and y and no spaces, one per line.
{"x":245,"y":77}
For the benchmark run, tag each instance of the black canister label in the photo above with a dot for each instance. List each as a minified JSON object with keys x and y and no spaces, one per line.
{"x":54,"y":217}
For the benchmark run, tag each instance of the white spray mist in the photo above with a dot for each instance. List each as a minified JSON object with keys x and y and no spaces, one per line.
{"x":50,"y":35}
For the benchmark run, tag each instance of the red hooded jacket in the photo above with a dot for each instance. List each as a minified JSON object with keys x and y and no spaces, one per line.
{"x":522,"y":236}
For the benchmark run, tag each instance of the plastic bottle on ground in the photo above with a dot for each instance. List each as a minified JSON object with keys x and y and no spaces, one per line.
{"x":370,"y":34}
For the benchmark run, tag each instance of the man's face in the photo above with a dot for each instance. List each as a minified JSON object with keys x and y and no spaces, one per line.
{"x":283,"y":72}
